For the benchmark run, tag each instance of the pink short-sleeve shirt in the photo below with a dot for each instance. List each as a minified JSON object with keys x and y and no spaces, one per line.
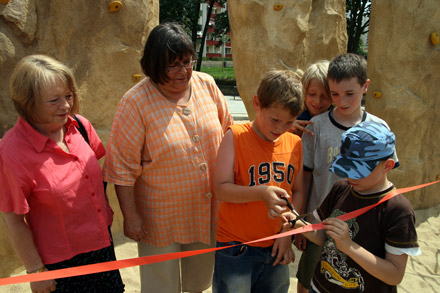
{"x":61,"y":194}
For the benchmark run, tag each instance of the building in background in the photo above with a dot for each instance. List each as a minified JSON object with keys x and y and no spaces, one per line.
{"x":364,"y":43}
{"x":213,"y":47}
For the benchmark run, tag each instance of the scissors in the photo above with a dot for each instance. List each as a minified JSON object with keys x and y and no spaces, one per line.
{"x":298,"y":216}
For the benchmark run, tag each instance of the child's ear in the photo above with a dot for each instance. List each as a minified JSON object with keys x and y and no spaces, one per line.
{"x":256,"y":103}
{"x":365,"y":86}
{"x":389,"y":165}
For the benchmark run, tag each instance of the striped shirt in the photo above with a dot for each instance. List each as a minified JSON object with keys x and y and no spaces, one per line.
{"x":167,"y":152}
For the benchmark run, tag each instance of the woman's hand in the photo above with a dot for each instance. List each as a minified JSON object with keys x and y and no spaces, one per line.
{"x":133,"y":224}
{"x":43,"y":286}
{"x":134,"y":227}
{"x":23,"y":243}
{"x":299,"y":126}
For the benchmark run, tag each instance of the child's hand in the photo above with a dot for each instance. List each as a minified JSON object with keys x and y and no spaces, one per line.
{"x":299,"y":126}
{"x":339,"y":231}
{"x":286,"y":219}
{"x":282,"y":248}
{"x":300,"y":242}
{"x":271,"y":196}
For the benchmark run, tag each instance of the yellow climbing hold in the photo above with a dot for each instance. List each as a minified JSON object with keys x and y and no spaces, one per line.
{"x":377,"y":94}
{"x":136,"y":77}
{"x":278,"y":7}
{"x":114,"y":6}
{"x":435,"y":38}
{"x":4,"y":2}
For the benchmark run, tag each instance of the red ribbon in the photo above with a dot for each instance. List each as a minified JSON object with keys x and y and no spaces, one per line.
{"x":121,"y":264}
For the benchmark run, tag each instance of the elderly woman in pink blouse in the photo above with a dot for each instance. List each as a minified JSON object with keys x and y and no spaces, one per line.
{"x":52,"y":198}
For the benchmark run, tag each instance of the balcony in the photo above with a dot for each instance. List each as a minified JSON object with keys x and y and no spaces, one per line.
{"x":213,"y":55}
{"x":211,"y":43}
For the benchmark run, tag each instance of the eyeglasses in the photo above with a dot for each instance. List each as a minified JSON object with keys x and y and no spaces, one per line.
{"x":178,"y":67}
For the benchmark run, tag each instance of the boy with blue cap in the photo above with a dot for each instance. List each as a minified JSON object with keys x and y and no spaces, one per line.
{"x":348,"y":82}
{"x":367,"y":253}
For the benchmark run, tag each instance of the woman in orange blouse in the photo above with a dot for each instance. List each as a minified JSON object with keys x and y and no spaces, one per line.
{"x":161,"y":156}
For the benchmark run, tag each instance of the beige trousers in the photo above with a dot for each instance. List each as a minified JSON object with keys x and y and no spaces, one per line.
{"x":189,"y":274}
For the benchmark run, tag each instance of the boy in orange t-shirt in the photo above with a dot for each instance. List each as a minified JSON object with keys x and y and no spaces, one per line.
{"x":258,"y":163}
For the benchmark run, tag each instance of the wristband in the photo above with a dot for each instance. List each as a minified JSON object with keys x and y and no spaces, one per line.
{"x":40,"y":270}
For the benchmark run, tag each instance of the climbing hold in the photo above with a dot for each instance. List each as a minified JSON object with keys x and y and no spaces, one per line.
{"x":437,"y":177}
{"x":136,"y":77}
{"x":278,"y":7}
{"x":114,"y":6}
{"x":377,"y":94}
{"x":435,"y":38}
{"x":4,"y":2}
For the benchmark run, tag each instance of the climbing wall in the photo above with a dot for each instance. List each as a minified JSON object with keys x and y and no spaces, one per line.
{"x":282,"y":35}
{"x":403,"y":66}
{"x":102,"y":41}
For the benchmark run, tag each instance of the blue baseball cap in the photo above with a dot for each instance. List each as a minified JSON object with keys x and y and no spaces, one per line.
{"x":363,"y":146}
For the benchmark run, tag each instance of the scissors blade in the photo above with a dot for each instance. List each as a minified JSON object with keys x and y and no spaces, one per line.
{"x":298,"y":216}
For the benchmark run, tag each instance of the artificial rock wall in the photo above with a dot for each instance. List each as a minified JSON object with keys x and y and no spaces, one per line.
{"x":404,"y":66}
{"x":103,"y":48}
{"x":282,"y":34}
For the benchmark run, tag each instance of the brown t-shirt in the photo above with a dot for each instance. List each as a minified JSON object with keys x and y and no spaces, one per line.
{"x":391,"y":222}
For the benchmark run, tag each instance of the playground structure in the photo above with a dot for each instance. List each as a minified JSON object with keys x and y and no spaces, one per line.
{"x":103,"y":45}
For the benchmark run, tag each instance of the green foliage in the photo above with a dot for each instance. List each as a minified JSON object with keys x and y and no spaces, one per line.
{"x":220,"y":73}
{"x":187,"y":12}
{"x":360,"y":50}
{"x":177,"y":11}
{"x":184,"y":12}
{"x":217,"y":59}
{"x":205,"y":32}
{"x":221,"y":28}
{"x":358,"y":21}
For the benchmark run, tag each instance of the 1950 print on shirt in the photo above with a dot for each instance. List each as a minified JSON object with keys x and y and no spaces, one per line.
{"x":277,"y":171}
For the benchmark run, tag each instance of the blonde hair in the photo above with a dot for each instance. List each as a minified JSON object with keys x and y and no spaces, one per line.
{"x":32,"y":75}
{"x":282,"y":87}
{"x":317,"y":71}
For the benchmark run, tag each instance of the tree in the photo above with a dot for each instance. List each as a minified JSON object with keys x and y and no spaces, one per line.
{"x":222,"y":27}
{"x":358,"y":21}
{"x":211,"y":4}
{"x":205,"y":31}
{"x":184,"y":12}
{"x":187,"y":13}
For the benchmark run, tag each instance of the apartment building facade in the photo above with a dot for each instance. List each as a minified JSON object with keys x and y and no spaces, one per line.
{"x":213,"y":47}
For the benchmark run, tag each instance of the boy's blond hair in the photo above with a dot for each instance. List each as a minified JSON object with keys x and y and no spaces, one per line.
{"x":317,"y":71}
{"x":282,"y":87}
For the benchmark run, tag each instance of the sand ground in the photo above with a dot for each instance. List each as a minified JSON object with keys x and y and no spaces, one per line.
{"x":422,"y":272}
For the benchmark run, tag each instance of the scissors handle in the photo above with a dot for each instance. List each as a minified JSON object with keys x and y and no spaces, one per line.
{"x":289,"y":205}
{"x":298,"y":216}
